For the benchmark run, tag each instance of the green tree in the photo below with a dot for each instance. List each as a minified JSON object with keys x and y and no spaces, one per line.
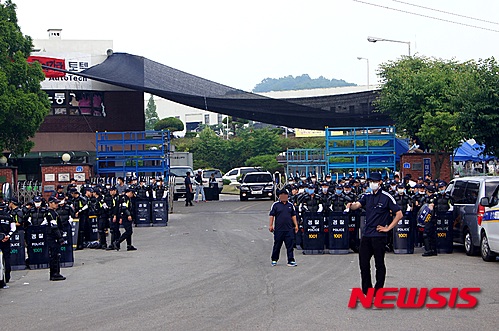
{"x":23,"y":105}
{"x":151,"y":115}
{"x":267,"y":162}
{"x":170,"y":123}
{"x":422,"y":96}
{"x":298,"y":83}
{"x":479,"y":101}
{"x":209,"y":150}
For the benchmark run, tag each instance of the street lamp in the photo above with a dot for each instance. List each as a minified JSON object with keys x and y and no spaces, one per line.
{"x":375,"y":39}
{"x":3,"y":160}
{"x":367,"y":61}
{"x":65,"y":158}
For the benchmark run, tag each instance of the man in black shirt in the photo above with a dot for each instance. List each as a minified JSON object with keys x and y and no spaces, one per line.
{"x":378,"y":205}
{"x":7,"y":228}
{"x":284,"y":226}
{"x":188,"y":189}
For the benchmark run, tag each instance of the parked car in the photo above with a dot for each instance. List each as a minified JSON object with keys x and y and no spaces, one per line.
{"x":237,"y":173}
{"x":218,"y":177}
{"x":180,"y":173}
{"x":489,"y":227}
{"x":468,"y":213}
{"x":257,"y":185}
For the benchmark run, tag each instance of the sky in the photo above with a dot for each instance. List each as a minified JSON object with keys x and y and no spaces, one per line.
{"x":240,"y":43}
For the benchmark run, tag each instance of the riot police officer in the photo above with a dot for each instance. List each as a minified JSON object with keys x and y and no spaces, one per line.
{"x":101,"y":210}
{"x":54,"y":239}
{"x":7,"y":229}
{"x":142,"y":190}
{"x":112,"y":201}
{"x":37,"y":213}
{"x":159,"y":192}
{"x":429,"y":234}
{"x":310,"y":201}
{"x":338,"y":200}
{"x":126,"y":214}
{"x":17,"y":213}
{"x":444,"y":201}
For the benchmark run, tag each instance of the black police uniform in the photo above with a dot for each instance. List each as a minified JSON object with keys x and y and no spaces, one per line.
{"x":54,"y":241}
{"x":430,"y":227}
{"x":378,"y":207}
{"x":101,"y":209}
{"x":113,"y":203}
{"x":126,"y":210}
{"x":7,"y":227}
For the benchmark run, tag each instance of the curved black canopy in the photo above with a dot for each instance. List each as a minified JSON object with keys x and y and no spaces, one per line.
{"x":141,"y":74}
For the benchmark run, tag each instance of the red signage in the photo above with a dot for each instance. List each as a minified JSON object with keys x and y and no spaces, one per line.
{"x":407,"y":298}
{"x":50,"y":62}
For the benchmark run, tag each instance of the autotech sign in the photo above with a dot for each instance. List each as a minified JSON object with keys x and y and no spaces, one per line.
{"x":416,"y":298}
{"x":71,"y":62}
{"x":50,"y":62}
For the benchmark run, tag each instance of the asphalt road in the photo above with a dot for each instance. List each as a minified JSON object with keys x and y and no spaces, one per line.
{"x":210,"y":270}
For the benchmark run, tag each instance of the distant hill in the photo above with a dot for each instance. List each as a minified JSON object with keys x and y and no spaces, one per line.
{"x":303,"y":82}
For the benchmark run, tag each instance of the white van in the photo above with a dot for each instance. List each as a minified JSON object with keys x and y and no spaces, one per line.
{"x":489,"y":227}
{"x":237,"y":173}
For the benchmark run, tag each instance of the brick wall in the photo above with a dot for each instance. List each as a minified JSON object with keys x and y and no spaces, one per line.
{"x":416,"y":165}
{"x":62,"y":173}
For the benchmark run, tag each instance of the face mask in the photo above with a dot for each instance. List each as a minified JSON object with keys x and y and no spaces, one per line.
{"x":291,"y":182}
{"x":314,"y":180}
{"x":374,"y":186}
{"x":347,"y":191}
{"x":421,"y":192}
{"x":38,"y":204}
{"x":368,"y":190}
{"x":301,"y":190}
{"x":442,"y":191}
{"x":310,"y":190}
{"x":401,"y":191}
{"x":324,"y":190}
{"x":393,"y":188}
{"x":338,"y":191}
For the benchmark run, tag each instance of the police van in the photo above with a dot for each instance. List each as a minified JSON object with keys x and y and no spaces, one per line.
{"x":468,"y":211}
{"x":489,"y":227}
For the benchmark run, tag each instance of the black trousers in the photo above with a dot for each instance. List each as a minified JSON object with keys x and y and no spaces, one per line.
{"x":102,"y":225}
{"x":286,"y":237}
{"x":127,"y":235}
{"x":5,"y":247}
{"x":115,"y":230}
{"x":54,"y":257}
{"x":369,"y":247}
{"x":188,"y":198}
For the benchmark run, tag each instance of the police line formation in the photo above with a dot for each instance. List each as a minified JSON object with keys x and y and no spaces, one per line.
{"x":326,"y":225}
{"x":42,"y":233}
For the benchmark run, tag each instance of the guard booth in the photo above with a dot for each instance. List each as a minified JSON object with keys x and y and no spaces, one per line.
{"x":338,"y":225}
{"x":159,"y":213}
{"x":38,"y":254}
{"x":313,"y":233}
{"x":403,"y":237}
{"x":444,"y":233}
{"x":143,"y":213}
{"x":17,"y":251}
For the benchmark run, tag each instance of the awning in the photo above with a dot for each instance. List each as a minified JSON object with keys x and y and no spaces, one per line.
{"x":141,"y":74}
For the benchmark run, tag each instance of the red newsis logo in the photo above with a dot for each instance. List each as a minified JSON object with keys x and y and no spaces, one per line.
{"x":407,"y":298}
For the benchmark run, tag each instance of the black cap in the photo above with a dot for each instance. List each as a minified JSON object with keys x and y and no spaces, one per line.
{"x":430,"y":188}
{"x":400,"y":186}
{"x":129,"y":190}
{"x":375,"y":176}
{"x":442,"y":184}
{"x":53,"y":200}
{"x":14,"y":201}
{"x":60,"y":186}
{"x":347,"y":185}
{"x":282,"y":192}
{"x":37,"y":199}
{"x":112,"y":188}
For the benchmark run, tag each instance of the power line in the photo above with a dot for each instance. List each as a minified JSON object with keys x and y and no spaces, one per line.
{"x":446,"y":12}
{"x":427,"y":16}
